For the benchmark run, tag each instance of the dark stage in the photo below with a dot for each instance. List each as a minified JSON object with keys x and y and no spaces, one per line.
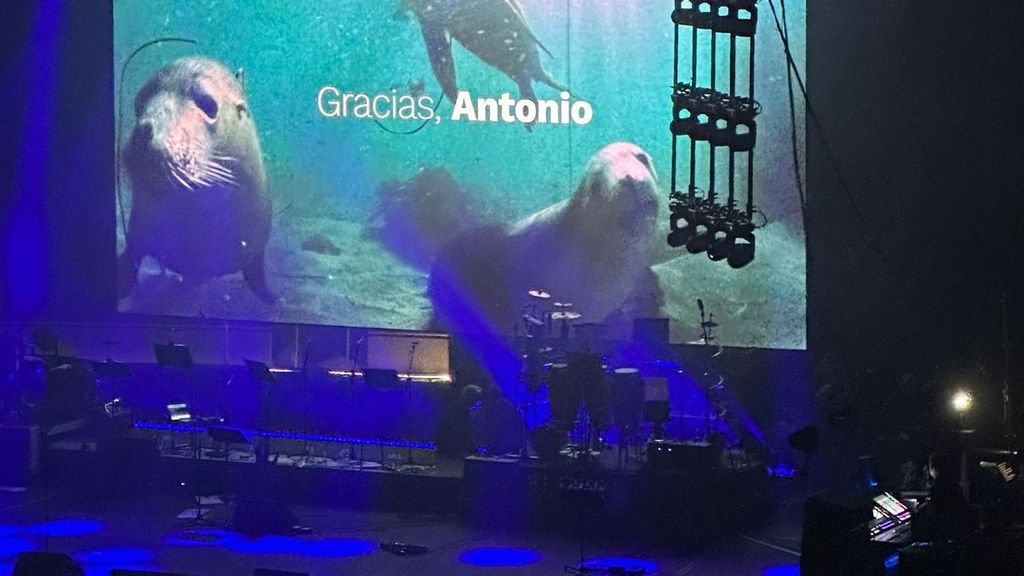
{"x":142,"y":533}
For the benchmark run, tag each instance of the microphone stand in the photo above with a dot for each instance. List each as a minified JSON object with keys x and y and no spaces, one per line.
{"x":408,"y":394}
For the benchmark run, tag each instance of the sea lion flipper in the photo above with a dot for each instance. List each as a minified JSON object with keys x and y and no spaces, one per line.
{"x":439,"y":49}
{"x":255,"y":275}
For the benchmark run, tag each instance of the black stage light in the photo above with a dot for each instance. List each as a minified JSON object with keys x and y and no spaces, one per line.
{"x":703,"y":235}
{"x":724,"y":239}
{"x":683,"y":13}
{"x":742,"y":252}
{"x":681,"y":231}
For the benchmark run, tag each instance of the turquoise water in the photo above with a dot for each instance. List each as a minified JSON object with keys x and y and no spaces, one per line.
{"x":615,"y":54}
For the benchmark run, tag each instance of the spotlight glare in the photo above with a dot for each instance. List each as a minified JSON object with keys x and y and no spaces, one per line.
{"x":961,"y":401}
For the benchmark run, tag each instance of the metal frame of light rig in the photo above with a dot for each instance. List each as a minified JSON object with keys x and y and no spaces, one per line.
{"x":721,"y":120}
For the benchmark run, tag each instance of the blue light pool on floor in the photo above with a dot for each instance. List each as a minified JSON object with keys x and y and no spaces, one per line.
{"x":115,"y":556}
{"x":58,"y":528}
{"x":500,"y":557}
{"x":617,"y":563}
{"x":339,"y":548}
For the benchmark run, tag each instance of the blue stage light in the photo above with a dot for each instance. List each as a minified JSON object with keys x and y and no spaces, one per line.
{"x":115,"y":557}
{"x":500,"y":557}
{"x":69,"y":527}
{"x":616,"y":564}
{"x":11,"y":547}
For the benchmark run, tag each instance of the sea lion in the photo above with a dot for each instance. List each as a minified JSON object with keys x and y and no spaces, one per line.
{"x":591,"y":249}
{"x":495,"y":31}
{"x":200,"y":204}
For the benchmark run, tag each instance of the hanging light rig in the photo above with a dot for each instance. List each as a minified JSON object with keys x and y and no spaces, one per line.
{"x":723,"y":121}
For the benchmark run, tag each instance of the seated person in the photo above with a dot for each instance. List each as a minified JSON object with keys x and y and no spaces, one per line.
{"x":945,"y":517}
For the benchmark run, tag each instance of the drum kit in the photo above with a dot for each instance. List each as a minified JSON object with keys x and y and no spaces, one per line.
{"x":586,"y":396}
{"x":539,"y":318}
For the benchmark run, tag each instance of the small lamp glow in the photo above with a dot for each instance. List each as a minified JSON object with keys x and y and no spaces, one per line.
{"x":962,"y":401}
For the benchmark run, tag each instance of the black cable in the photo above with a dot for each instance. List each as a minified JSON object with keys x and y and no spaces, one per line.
{"x":792,"y":128}
{"x":120,"y":120}
{"x":830,"y":156}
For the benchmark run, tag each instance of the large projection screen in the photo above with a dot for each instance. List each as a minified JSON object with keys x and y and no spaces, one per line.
{"x":372,"y":163}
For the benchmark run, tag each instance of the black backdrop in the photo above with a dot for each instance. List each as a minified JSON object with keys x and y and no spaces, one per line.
{"x":917,"y":103}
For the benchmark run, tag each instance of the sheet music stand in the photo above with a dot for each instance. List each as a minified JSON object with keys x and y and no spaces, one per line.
{"x":173,"y":355}
{"x":227,"y":437}
{"x":259,"y":371}
{"x":111,"y":372}
{"x":260,"y":374}
{"x":179,"y":357}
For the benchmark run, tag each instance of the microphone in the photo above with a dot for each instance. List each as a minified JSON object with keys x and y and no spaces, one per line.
{"x":700,"y":304}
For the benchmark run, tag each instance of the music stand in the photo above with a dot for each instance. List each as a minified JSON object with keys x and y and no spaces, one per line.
{"x":260,"y":374}
{"x":111,"y":369}
{"x":111,"y":372}
{"x":259,"y":371}
{"x":173,"y":355}
{"x":178,"y":356}
{"x":227,"y":437}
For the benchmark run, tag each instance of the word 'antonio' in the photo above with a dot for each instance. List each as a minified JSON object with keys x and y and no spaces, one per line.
{"x":508,"y":109}
{"x":333,"y":103}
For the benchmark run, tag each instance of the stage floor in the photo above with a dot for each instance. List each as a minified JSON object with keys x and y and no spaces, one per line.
{"x":143,"y":533}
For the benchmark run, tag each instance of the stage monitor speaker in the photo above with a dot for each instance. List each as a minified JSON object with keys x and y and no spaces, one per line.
{"x":272,"y":572}
{"x":46,"y":564}
{"x":121,"y":572}
{"x":258,"y":517}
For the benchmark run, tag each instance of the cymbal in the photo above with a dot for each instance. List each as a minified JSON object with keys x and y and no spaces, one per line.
{"x":531,"y":320}
{"x":565,"y":315}
{"x":563,"y":304}
{"x":539,"y":294}
{"x":709,"y":324}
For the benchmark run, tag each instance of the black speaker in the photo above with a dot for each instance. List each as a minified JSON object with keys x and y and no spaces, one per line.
{"x":835,"y":537}
{"x":46,"y":564}
{"x":256,"y":517}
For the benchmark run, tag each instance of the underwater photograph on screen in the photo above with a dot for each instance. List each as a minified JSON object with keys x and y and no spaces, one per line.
{"x":425,"y":164}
